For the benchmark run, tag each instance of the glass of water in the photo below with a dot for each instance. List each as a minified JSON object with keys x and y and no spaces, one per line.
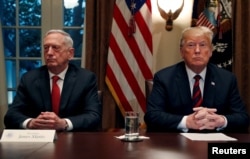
{"x":131,"y":125}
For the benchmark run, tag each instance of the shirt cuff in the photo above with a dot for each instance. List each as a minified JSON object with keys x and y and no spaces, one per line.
{"x":224,"y":126}
{"x":25,"y":123}
{"x":182,"y":125}
{"x":70,"y":125}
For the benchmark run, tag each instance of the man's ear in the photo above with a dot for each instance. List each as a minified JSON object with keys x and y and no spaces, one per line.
{"x":71,"y":53}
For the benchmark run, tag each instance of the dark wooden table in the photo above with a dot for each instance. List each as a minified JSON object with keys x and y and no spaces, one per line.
{"x":103,"y":145}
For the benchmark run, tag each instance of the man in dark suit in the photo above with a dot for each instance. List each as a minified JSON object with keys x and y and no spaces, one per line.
{"x":79,"y":106}
{"x":170,"y":105}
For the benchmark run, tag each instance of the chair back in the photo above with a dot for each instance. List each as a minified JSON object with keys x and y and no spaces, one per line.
{"x":148,"y":87}
{"x":100,"y":97}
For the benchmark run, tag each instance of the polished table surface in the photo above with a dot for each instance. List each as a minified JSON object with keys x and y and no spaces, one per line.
{"x":104,"y":145}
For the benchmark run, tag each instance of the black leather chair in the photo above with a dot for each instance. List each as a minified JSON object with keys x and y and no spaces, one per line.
{"x":100,"y":96}
{"x":148,"y":87}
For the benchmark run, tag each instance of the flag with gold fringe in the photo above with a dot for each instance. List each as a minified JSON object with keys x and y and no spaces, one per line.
{"x":130,"y":54}
{"x":217,"y":15}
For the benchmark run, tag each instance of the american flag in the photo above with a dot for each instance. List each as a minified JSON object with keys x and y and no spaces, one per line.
{"x":130,"y":54}
{"x":204,"y":21}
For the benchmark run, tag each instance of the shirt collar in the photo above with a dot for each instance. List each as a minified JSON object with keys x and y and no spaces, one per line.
{"x":61,"y":75}
{"x":191,"y":74}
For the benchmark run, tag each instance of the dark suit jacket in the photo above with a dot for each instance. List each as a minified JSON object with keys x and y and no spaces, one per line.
{"x":79,"y":99}
{"x":170,"y":98}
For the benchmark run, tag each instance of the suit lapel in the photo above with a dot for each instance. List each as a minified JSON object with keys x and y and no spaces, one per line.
{"x":43,"y":84}
{"x":183,"y":85}
{"x":209,"y":88}
{"x":68,"y":86}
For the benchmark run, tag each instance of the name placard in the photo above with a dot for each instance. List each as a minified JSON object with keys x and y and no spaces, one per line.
{"x":14,"y":135}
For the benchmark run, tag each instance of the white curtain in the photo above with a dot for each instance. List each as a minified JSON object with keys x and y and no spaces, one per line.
{"x":3,"y":88}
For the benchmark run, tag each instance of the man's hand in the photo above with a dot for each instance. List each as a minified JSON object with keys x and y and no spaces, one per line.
{"x":205,"y":118}
{"x":47,"y":120}
{"x":213,"y":121}
{"x":191,"y":122}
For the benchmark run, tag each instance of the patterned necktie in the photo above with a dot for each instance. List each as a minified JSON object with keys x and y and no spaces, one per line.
{"x":197,"y":99}
{"x":55,"y":94}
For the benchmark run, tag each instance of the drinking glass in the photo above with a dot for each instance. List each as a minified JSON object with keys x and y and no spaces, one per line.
{"x":131,"y":125}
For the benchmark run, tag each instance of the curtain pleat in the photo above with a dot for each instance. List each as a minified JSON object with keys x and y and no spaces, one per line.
{"x":99,"y":15}
{"x":241,"y":41}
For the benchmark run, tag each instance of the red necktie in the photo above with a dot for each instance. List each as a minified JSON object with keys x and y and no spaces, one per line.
{"x":55,"y":94}
{"x":197,"y":99}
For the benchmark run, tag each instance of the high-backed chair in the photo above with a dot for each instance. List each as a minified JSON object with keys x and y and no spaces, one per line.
{"x":148,"y":87}
{"x":100,"y":97}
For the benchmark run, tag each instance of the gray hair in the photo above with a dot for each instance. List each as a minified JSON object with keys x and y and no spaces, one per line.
{"x":68,"y":40}
{"x":198,"y":30}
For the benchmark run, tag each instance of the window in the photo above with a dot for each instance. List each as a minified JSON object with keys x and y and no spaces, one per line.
{"x":23,"y":25}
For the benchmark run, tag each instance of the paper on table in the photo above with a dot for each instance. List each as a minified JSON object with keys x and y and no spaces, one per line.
{"x":208,"y":137}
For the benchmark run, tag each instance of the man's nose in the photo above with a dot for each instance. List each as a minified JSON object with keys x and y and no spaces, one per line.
{"x":197,"y":48}
{"x":49,"y":50}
